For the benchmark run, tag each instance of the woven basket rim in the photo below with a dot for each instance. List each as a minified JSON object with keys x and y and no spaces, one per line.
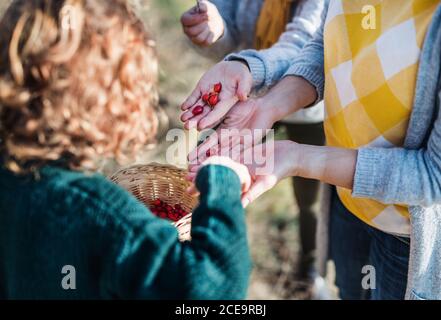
{"x":171,"y":173}
{"x":143,"y":165}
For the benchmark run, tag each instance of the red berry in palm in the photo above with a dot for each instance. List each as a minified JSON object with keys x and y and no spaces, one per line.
{"x":213,"y":100}
{"x":205,"y":97}
{"x":208,"y":153}
{"x":197,"y":110}
{"x":218,"y":87}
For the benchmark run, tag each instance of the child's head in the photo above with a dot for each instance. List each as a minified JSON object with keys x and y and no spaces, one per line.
{"x":77,"y":83}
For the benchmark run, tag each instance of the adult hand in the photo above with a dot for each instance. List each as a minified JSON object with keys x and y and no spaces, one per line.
{"x":236,"y":81}
{"x":282,"y":160}
{"x":267,"y":164}
{"x":203,"y":24}
{"x":245,"y":124}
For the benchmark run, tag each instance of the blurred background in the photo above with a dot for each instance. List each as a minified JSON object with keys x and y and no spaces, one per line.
{"x":272,"y":219}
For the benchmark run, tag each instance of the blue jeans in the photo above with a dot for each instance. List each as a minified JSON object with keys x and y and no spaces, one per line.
{"x":354,"y":245}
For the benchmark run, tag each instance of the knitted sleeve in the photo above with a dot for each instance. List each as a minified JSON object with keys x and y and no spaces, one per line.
{"x":149,"y":262}
{"x":268,"y":66}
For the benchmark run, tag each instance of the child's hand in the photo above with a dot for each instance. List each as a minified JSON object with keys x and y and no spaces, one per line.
{"x":203,"y":24}
{"x":241,"y":171}
{"x":236,"y":81}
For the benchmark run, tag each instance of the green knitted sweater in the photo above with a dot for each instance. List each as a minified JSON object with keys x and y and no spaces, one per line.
{"x":113,"y":247}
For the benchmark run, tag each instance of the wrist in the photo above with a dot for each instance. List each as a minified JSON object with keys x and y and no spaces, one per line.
{"x":331,"y":165}
{"x":242,"y":62}
{"x":297,"y":155}
{"x":282,"y":100}
{"x":288,"y":96}
{"x":275,"y":105}
{"x":304,"y":161}
{"x":267,"y":107}
{"x":312,"y":161}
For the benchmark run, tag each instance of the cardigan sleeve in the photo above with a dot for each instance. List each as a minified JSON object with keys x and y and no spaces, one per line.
{"x":399,"y":175}
{"x":309,"y":63}
{"x":151,"y":263}
{"x":268,"y":66}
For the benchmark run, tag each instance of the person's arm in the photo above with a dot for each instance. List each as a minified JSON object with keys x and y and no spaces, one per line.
{"x":151,"y":263}
{"x":309,"y":64}
{"x":391,"y":176}
{"x":291,"y":94}
{"x":236,"y":77}
{"x":388,"y":175}
{"x":268,"y":66}
{"x":399,"y":175}
{"x":229,"y":40}
{"x":285,"y":159}
{"x":335,"y":166}
{"x":395,"y":175}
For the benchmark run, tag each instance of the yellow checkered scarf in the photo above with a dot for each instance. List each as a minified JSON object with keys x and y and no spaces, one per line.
{"x":273,"y":18}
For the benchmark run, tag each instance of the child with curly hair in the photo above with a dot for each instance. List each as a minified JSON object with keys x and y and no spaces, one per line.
{"x":78,"y":84}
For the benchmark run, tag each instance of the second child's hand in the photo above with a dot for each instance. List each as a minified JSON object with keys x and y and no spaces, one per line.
{"x":203,"y":24}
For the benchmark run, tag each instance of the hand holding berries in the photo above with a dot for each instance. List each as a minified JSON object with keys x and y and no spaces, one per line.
{"x":220,"y":89}
{"x":211,"y":99}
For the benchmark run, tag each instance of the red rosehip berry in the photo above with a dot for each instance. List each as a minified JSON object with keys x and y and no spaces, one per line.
{"x":205,"y":97}
{"x":163,"y":215}
{"x":197,"y":110}
{"x":208,"y":153}
{"x":218,"y":87}
{"x":213,"y":100}
{"x":157,"y":202}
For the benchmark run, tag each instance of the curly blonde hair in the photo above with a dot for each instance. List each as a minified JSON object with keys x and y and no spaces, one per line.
{"x":77,"y":84}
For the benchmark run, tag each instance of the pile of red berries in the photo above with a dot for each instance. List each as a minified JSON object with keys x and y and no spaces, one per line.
{"x":165,"y":211}
{"x":211,"y":99}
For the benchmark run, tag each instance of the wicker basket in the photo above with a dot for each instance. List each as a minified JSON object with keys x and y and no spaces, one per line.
{"x":159,"y":181}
